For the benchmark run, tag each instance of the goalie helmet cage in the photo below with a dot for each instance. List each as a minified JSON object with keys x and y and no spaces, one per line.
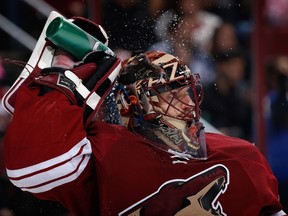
{"x":267,"y":41}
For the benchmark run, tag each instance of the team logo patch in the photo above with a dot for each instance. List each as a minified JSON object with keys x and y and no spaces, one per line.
{"x":194,"y":196}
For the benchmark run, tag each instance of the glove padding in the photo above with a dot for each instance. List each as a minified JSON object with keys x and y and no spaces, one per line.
{"x":85,"y":85}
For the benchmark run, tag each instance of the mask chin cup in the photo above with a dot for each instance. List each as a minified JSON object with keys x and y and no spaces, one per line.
{"x":189,"y":142}
{"x":195,"y":143}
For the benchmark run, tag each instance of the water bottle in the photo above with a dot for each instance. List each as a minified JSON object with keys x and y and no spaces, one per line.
{"x":73,"y":39}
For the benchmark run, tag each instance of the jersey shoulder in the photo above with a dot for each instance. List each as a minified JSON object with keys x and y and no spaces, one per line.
{"x":232,"y":147}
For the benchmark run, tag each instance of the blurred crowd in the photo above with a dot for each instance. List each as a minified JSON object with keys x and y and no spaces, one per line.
{"x":213,"y":37}
{"x":277,"y":121}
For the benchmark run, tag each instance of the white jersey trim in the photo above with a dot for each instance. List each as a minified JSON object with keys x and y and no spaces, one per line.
{"x":280,"y":213}
{"x":57,"y":171}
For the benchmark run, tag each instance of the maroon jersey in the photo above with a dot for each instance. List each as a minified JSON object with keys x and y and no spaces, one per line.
{"x":108,"y":170}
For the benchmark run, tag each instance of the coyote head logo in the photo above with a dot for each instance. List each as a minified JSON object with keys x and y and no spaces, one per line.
{"x":196,"y":195}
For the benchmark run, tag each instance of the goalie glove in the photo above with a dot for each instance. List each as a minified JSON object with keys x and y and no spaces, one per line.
{"x":85,"y":85}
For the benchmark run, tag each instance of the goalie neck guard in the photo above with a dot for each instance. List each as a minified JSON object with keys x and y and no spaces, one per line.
{"x":159,"y":99}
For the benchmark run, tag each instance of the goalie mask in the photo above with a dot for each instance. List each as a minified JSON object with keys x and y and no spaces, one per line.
{"x":159,"y":99}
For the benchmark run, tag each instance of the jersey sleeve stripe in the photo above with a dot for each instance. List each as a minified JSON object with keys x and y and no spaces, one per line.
{"x":54,"y":172}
